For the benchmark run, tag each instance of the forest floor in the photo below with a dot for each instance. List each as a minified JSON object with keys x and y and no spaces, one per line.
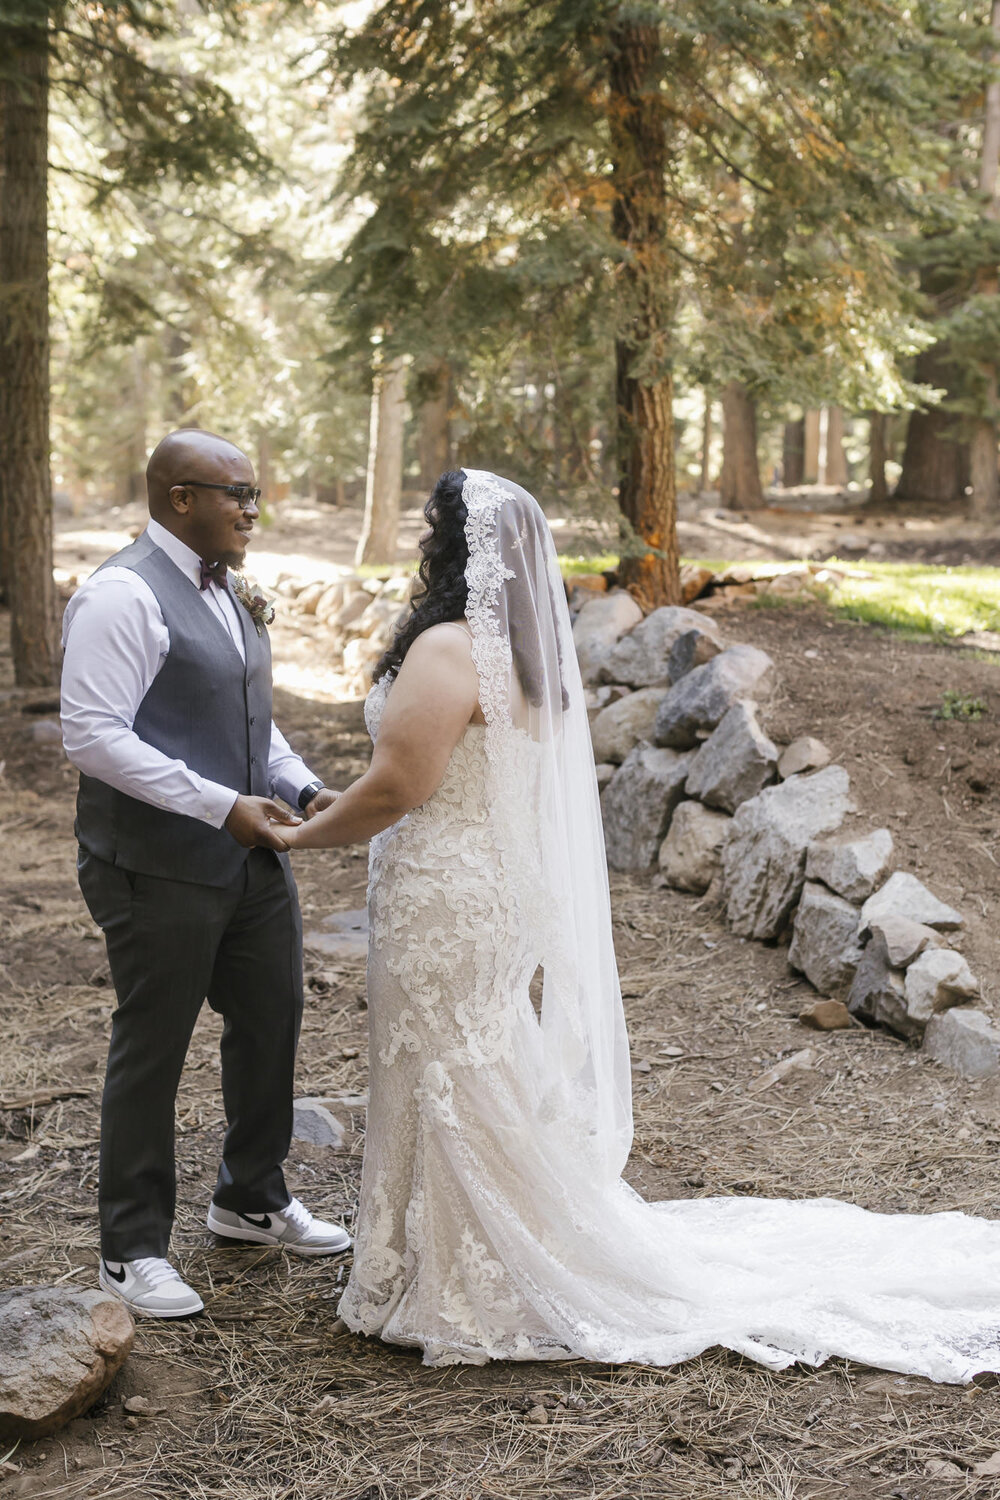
{"x":266,"y":1397}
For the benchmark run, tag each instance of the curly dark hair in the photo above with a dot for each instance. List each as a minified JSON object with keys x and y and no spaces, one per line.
{"x":443,"y":559}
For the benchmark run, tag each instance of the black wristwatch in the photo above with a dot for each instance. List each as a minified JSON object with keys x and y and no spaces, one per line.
{"x":308,"y":793}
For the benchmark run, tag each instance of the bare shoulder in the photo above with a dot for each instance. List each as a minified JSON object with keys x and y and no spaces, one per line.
{"x":448,"y":641}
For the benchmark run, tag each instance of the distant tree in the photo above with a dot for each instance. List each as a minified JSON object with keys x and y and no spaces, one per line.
{"x":25,"y":483}
{"x":167,"y":126}
{"x":755,"y":160}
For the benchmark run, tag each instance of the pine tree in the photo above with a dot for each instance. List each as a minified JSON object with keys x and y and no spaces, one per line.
{"x":756,"y":160}
{"x":169,"y":126}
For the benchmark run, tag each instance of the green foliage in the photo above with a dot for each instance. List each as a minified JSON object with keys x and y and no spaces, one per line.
{"x":189,"y":205}
{"x":956,"y":705}
{"x":917,"y":596}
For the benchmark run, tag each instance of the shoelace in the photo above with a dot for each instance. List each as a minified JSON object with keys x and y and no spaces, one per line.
{"x":299,"y":1215}
{"x":155,"y":1271}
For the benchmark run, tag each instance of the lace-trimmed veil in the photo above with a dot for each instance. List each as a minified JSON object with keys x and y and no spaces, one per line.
{"x":543,"y":786}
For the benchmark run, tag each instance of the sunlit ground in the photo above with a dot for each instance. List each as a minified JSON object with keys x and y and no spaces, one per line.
{"x":917,"y":597}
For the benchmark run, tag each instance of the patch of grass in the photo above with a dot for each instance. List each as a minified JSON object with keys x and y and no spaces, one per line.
{"x":918,"y":596}
{"x":956,"y":705}
{"x":601,"y":562}
{"x":782,"y":601}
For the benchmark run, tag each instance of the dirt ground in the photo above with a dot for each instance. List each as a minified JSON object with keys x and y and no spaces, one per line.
{"x":265,"y":1397}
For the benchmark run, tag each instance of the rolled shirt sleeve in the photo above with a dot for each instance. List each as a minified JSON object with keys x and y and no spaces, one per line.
{"x":115,"y":641}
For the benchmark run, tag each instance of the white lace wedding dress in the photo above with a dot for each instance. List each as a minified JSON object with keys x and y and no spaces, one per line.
{"x":493,"y":1222}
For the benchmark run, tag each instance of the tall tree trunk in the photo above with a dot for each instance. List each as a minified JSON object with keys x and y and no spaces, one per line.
{"x":811,"y":446}
{"x":835,"y":471}
{"x":384,"y":481}
{"x":739,"y":483}
{"x":983,"y":473}
{"x":705,"y":475}
{"x":935,"y":464}
{"x":793,"y":453}
{"x":434,"y":432}
{"x":24,"y":352}
{"x":647,"y":495}
{"x":878,"y":452}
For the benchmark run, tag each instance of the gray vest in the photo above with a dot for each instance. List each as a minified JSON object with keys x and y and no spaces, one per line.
{"x":204,"y":708}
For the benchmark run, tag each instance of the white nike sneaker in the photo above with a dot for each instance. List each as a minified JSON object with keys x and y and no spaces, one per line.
{"x":150,"y":1286}
{"x":293,"y":1228}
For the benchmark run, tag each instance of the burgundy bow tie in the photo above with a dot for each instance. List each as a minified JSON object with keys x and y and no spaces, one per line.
{"x":213,"y":573}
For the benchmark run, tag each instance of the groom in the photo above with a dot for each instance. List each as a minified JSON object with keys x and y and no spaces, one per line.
{"x":166,"y":713}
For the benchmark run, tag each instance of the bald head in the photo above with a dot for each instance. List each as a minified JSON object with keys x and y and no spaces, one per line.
{"x":191,"y":454}
{"x":187,"y":479}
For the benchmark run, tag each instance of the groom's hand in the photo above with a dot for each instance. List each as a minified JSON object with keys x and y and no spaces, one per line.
{"x":250,"y":822}
{"x":323,"y":798}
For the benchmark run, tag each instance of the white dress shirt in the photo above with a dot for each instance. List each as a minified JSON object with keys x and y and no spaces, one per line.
{"x":115,"y":641}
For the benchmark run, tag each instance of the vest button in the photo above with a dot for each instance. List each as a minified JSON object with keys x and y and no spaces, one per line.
{"x":253,"y":718}
{"x":253,"y":760}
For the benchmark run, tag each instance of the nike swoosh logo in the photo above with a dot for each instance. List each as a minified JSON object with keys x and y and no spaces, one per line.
{"x":264,"y":1223}
{"x":115,"y":1275}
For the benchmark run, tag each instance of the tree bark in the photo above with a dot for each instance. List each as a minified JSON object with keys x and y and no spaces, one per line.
{"x":739,"y":483}
{"x":878,"y":490}
{"x":811,"y":446}
{"x":793,"y":453}
{"x":384,"y":481}
{"x":835,"y":471}
{"x":983,"y":473}
{"x":24,"y":354}
{"x":434,"y":434}
{"x":647,"y":494}
{"x":935,"y":465}
{"x":705,"y":474}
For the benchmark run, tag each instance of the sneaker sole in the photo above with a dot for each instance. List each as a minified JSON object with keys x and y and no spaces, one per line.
{"x":261,"y":1237}
{"x":148,"y":1312}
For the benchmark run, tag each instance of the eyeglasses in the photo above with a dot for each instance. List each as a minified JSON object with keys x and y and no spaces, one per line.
{"x":241,"y":493}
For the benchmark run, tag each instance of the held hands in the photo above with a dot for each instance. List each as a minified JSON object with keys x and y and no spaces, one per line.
{"x":256,"y":822}
{"x":324,"y":798}
{"x":290,"y":836}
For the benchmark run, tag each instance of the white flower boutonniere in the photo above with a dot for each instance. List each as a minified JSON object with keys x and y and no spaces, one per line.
{"x":253,"y":599}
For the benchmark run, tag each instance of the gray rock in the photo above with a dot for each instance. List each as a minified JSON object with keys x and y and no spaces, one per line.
{"x":805,"y":754}
{"x":735,"y":762}
{"x":638,"y":804}
{"x":764,"y":858}
{"x":691,"y":853}
{"x":692,"y":649}
{"x":904,"y":939}
{"x":46,"y":732}
{"x":825,"y":946}
{"x":350,"y":611}
{"x":598,"y":698}
{"x":903,"y":895}
{"x":936,"y":980}
{"x":599,"y":624}
{"x":329,"y":602}
{"x":642,"y":658}
{"x":701,"y":698}
{"x":604,"y":775}
{"x":343,"y":934}
{"x":877,"y":992}
{"x":618,"y":728}
{"x":60,"y":1348}
{"x":852,"y":866}
{"x":965,"y":1041}
{"x":313,"y":1122}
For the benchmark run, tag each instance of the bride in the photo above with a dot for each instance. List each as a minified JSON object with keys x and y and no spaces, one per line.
{"x":494,"y":1222}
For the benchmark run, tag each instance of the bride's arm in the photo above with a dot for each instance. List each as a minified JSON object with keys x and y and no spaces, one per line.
{"x":432,"y":701}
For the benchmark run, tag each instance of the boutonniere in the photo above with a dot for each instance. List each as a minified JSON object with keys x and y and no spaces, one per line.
{"x":256,"y":603}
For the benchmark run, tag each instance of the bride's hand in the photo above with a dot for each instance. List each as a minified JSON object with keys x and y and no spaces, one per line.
{"x":323,"y":798}
{"x":286,"y":832}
